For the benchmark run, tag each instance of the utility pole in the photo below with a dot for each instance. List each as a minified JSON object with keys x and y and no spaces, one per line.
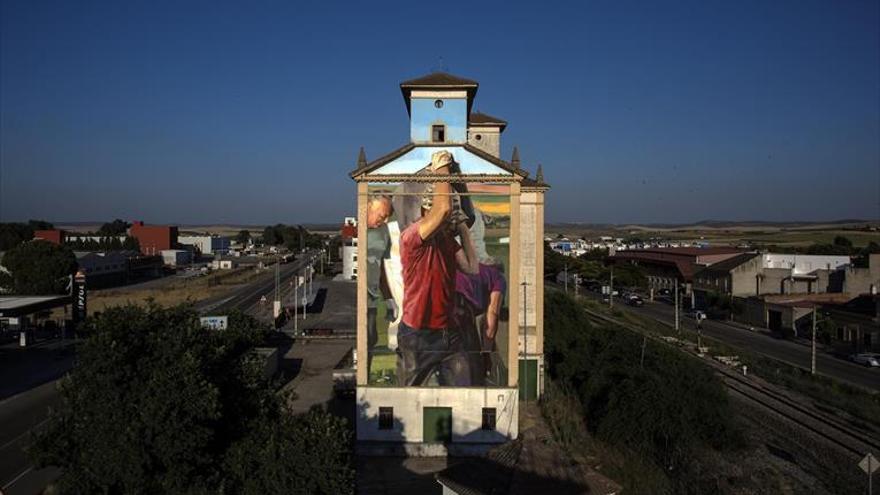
{"x":611,"y":289}
{"x":813,"y":350}
{"x":295,"y":304}
{"x":276,"y":304}
{"x":305,"y":299}
{"x":566,"y":277}
{"x":677,"y":324}
{"x":526,"y":336}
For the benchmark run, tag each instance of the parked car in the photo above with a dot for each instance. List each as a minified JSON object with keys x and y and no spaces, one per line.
{"x":634,"y":300}
{"x":696,"y":314}
{"x":664,"y":292}
{"x":869,"y":359}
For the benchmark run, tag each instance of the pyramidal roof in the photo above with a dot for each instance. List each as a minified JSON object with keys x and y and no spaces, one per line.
{"x":439,"y":81}
{"x":478,"y":119}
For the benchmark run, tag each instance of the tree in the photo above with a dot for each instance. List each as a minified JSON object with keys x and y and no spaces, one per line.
{"x":114,"y":229}
{"x":843,"y":242}
{"x":40,"y":225}
{"x":131,"y":244}
{"x":160,"y":404}
{"x":13,"y":234}
{"x":38,"y":268}
{"x":243,"y":237}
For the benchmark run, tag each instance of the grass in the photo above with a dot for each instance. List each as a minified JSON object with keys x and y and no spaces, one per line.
{"x":192,"y":289}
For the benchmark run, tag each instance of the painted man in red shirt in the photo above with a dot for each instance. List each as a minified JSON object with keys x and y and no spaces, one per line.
{"x":430,"y":257}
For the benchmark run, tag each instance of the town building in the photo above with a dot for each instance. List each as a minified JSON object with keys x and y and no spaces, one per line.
{"x":348,"y":248}
{"x":206,"y":245}
{"x":503,"y":209}
{"x":55,"y":236}
{"x":667,"y":267}
{"x":176,"y":257}
{"x":153,"y":239}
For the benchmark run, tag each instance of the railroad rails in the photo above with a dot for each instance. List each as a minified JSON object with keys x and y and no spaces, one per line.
{"x":826,"y":426}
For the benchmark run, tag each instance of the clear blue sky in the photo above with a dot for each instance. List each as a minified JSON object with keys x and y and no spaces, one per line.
{"x":203,"y":112}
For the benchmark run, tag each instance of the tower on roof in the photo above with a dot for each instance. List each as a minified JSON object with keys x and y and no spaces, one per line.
{"x":484,"y":132}
{"x":438,"y":106}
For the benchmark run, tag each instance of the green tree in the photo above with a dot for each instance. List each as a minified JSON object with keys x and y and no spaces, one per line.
{"x":666,"y":407}
{"x":243,"y":237}
{"x":131,"y":244}
{"x":40,"y":225}
{"x":115,"y":228}
{"x":843,"y":242}
{"x":12,"y":234}
{"x":159,"y":404}
{"x":38,"y":268}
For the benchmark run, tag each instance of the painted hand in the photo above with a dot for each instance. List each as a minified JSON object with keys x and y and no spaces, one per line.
{"x":440,"y":159}
{"x":391,"y":310}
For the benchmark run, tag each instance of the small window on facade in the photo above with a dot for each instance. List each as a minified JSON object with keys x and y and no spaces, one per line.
{"x":478,"y":137}
{"x":438,"y":133}
{"x":386,"y":418}
{"x":438,"y":103}
{"x":489,"y":418}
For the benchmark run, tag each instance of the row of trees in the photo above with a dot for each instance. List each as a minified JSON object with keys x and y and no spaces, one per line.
{"x":105,"y":244}
{"x":652,"y":401}
{"x":160,"y":404}
{"x":292,"y":237}
{"x":14,"y":233}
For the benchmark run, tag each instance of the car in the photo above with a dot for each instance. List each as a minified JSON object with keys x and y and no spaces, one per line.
{"x":869,"y":359}
{"x":696,"y":315}
{"x":635,"y":301}
{"x":664,"y":292}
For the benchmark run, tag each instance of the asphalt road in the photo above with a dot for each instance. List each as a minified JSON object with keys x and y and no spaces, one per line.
{"x":759,"y":342}
{"x":22,"y":413}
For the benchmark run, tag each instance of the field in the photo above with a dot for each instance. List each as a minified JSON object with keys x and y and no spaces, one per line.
{"x":175,"y":291}
{"x":732,"y":234}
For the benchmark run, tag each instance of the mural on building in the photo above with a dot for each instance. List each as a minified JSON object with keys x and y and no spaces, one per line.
{"x":437,"y":263}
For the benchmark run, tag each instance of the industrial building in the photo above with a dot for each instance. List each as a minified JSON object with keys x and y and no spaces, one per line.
{"x":503,"y":209}
{"x":207,"y":245}
{"x":153,"y":239}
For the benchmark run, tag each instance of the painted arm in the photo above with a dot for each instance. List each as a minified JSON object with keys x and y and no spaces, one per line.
{"x":466,"y":257}
{"x":441,"y":203}
{"x":492,"y":314}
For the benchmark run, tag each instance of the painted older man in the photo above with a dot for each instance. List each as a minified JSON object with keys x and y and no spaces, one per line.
{"x":379,"y":210}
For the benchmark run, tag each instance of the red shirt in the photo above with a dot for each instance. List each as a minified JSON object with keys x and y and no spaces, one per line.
{"x":428,"y":277}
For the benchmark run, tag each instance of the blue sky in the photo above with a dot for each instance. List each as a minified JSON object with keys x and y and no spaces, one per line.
{"x":253,"y":112}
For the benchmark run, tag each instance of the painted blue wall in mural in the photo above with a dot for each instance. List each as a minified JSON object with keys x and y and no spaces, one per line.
{"x":452,"y":114}
{"x":419,"y":158}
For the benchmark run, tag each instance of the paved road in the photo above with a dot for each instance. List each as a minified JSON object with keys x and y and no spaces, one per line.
{"x":248,"y":296}
{"x":20,"y":414}
{"x":762,"y":343}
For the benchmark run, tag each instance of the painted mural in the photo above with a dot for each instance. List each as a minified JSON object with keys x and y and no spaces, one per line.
{"x":437,"y":264}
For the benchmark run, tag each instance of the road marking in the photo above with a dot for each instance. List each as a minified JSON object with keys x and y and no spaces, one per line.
{"x":21,"y":475}
{"x":7,"y":444}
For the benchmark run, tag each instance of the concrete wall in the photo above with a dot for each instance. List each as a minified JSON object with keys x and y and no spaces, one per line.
{"x":487,"y":139}
{"x":743,"y":278}
{"x":863,"y":280}
{"x":804,"y":263}
{"x":467,"y":412}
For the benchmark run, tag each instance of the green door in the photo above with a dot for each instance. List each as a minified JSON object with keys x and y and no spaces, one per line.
{"x":437,"y":424}
{"x":528,"y":379}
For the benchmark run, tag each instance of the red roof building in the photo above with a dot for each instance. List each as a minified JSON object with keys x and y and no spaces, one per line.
{"x":54,"y":236}
{"x":153,"y":239}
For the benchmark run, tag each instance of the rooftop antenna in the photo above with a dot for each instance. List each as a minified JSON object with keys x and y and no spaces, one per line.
{"x":441,"y":66}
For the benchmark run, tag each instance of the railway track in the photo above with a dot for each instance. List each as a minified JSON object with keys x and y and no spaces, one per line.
{"x":831,"y":429}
